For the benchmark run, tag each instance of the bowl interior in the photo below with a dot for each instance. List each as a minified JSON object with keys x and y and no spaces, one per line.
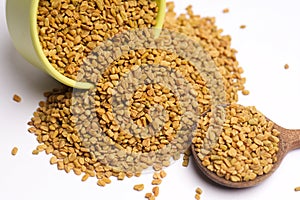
{"x":47,"y":65}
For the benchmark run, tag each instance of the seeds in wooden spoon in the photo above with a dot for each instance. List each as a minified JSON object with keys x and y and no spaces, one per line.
{"x":247,"y":147}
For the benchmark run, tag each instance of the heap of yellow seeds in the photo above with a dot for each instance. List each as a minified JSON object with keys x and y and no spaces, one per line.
{"x":77,"y":126}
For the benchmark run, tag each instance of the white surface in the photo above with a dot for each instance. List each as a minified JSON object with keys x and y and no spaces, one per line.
{"x":270,"y":40}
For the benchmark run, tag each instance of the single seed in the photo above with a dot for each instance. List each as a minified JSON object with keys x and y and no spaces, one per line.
{"x":138,"y":187}
{"x":286,"y":66}
{"x":155,"y":191}
{"x":101,"y":183}
{"x":17,"y":98}
{"x":14,"y":151}
{"x":53,"y":160}
{"x":226,"y":10}
{"x":85,"y":177}
{"x":245,"y":92}
{"x":163,"y":174}
{"x":198,"y":190}
{"x":148,"y":195}
{"x":156,"y":182}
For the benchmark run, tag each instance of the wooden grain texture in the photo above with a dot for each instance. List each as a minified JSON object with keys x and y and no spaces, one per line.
{"x":289,"y":140}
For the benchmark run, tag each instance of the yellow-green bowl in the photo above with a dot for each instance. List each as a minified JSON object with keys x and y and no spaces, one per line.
{"x":21,"y":16}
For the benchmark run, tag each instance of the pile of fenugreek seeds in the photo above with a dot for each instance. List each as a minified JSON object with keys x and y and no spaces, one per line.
{"x":82,"y":130}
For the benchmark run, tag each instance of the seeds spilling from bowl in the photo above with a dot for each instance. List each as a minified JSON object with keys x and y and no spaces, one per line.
{"x":246,"y":148}
{"x":69,"y":30}
{"x":80,"y":129}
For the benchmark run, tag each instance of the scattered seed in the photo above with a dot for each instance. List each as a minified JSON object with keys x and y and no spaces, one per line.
{"x":198,"y":191}
{"x":245,"y":92}
{"x":148,"y":195}
{"x":242,"y":26}
{"x":286,"y":66}
{"x":101,"y":183}
{"x":139,"y":187}
{"x":155,"y":191}
{"x":156,"y":182}
{"x":226,"y":10}
{"x":17,"y":98}
{"x":163,"y":174}
{"x":14,"y":151}
{"x":85,"y":177}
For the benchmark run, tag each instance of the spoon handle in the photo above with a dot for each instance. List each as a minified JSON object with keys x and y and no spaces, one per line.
{"x":290,"y":138}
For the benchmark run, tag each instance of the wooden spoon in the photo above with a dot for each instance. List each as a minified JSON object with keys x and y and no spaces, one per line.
{"x":289,"y":140}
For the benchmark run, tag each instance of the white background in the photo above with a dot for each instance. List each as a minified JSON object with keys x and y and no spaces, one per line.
{"x":270,"y":40}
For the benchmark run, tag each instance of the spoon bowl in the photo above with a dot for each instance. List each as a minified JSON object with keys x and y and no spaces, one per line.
{"x":289,"y":140}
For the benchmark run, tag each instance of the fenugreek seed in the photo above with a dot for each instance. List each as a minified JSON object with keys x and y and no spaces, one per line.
{"x":198,"y":190}
{"x":14,"y":151}
{"x":185,"y":163}
{"x":106,"y":180}
{"x":53,"y":160}
{"x":286,"y":66}
{"x":77,"y":171}
{"x":138,"y":187}
{"x":245,"y":92}
{"x":162,"y":174}
{"x":235,"y":178}
{"x":121,"y":176}
{"x":243,"y":26}
{"x":267,"y":169}
{"x":232,"y":152}
{"x":17,"y":98}
{"x":156,"y":182}
{"x":197,"y":196}
{"x":85,"y":177}
{"x":101,"y":183}
{"x":297,"y":189}
{"x":148,"y":195}
{"x":35,"y":152}
{"x":155,"y":191}
{"x":226,"y":10}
